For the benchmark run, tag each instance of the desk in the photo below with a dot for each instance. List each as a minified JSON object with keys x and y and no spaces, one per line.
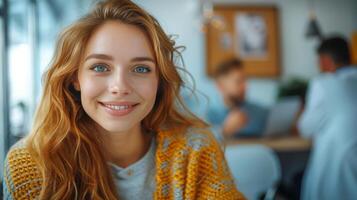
{"x":278,"y":144}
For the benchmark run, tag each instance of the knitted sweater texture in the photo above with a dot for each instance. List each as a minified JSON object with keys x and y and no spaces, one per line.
{"x":188,"y":166}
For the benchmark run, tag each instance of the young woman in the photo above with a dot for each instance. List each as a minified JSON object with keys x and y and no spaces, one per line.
{"x":111,"y":125}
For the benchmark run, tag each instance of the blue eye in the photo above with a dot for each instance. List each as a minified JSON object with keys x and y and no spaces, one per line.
{"x":100,"y":68}
{"x":142,"y":69}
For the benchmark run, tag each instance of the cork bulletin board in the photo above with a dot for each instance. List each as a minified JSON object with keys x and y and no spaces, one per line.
{"x":354,"y":48}
{"x":250,"y":33}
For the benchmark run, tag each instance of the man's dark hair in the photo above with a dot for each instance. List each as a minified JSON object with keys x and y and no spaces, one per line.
{"x":227,"y":66}
{"x":337,"y":48}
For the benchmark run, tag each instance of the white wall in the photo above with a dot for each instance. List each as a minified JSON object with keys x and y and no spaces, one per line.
{"x":298,"y":53}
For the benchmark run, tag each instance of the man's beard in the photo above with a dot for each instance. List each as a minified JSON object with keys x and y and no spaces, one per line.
{"x":236,"y":101}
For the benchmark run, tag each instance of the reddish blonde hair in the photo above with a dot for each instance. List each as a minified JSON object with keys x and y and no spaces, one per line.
{"x":62,"y":141}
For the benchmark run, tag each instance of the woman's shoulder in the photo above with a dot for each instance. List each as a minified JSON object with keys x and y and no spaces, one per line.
{"x":196,"y":157}
{"x":19,"y":155}
{"x":21,"y":175}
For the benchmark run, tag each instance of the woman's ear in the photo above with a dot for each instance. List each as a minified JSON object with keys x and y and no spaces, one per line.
{"x":76,"y":85}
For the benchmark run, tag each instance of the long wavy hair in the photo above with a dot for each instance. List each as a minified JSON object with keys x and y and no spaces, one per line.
{"x":63,"y":141}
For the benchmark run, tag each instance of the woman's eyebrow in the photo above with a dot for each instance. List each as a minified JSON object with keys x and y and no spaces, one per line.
{"x":138,"y":59}
{"x":99,"y":56}
{"x":108,"y":57}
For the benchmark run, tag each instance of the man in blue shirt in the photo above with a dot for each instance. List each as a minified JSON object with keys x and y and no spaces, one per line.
{"x":237,"y":117}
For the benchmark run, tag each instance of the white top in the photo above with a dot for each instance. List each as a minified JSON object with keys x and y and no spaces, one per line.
{"x":330,"y":119}
{"x":137,"y":181}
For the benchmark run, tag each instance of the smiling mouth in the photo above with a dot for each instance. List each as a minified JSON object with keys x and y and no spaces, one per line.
{"x":115,"y":107}
{"x":119,"y":110}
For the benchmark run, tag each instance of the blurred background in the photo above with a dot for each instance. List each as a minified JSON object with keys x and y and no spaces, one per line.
{"x":278,"y":58}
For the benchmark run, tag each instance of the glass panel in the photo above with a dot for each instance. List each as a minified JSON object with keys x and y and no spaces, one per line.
{"x":20,"y":57}
{"x":3,"y":132}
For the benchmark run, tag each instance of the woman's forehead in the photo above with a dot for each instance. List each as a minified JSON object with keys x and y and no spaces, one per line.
{"x":120,"y":41}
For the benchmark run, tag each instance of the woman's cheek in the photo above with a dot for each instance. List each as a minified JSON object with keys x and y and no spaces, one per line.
{"x":148,"y":89}
{"x":93,"y":87}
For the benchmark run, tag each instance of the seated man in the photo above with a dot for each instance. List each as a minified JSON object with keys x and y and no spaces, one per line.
{"x":330,"y":119}
{"x":237,"y":117}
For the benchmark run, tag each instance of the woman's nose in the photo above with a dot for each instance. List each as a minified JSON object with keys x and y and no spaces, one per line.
{"x":119,"y":84}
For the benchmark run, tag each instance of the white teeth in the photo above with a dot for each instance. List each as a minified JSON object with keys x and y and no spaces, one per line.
{"x":117,"y":107}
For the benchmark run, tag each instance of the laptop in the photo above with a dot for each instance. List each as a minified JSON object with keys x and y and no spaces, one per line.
{"x":282,"y":116}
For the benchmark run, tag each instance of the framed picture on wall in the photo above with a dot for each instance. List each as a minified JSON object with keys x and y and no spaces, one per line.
{"x":251,"y":34}
{"x":354,"y":47}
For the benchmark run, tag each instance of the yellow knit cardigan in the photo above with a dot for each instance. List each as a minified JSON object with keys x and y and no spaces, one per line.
{"x":188,"y":166}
